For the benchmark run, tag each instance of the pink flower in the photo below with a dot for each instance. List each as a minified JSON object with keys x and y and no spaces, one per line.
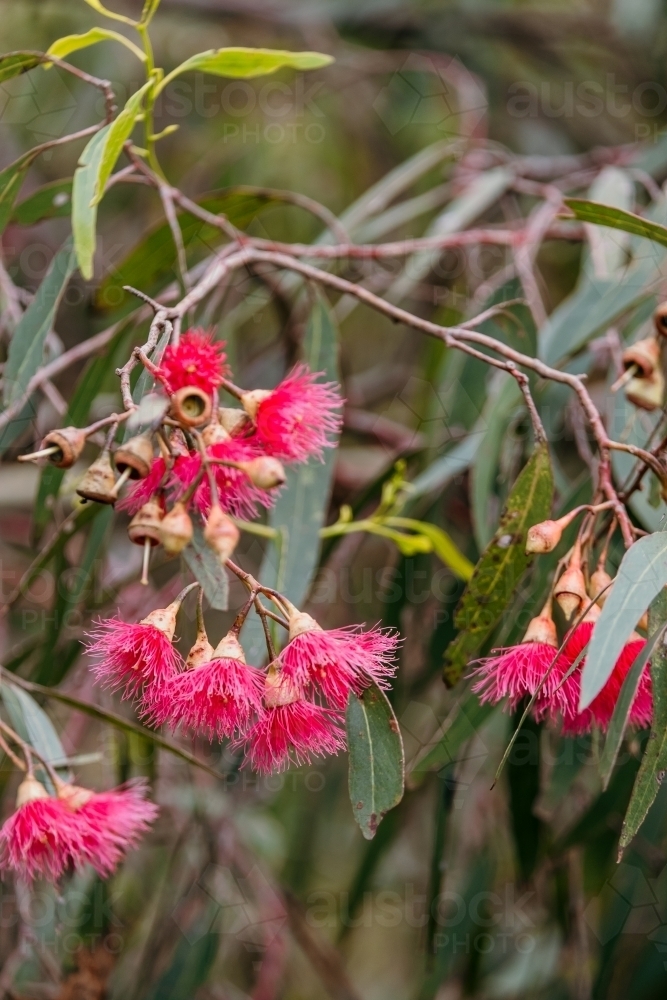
{"x":132,"y":656}
{"x":219,"y":696}
{"x":43,"y":837}
{"x":290,"y":729}
{"x":112,"y":822}
{"x":516,"y":672}
{"x":298,"y":418}
{"x":196,"y":360}
{"x":337,"y":661}
{"x":142,"y":491}
{"x":600,"y":711}
{"x":237,"y":494}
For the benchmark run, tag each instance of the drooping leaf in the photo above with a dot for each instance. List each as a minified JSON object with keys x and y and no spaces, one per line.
{"x":33,"y":724}
{"x":15,"y":63}
{"x":150,"y":7}
{"x":503,"y":563}
{"x":84,"y":212}
{"x":500,"y":407}
{"x":376,"y":774}
{"x":619,"y":719}
{"x":101,"y":9}
{"x":441,"y":543}
{"x":26,"y":348}
{"x":72,"y":43}
{"x":640,"y":577}
{"x":48,"y":202}
{"x":119,"y":131}
{"x":654,"y":762}
{"x":208,"y":570}
{"x":11,"y":179}
{"x":154,"y":258}
{"x":243,"y":63}
{"x":617,"y":218}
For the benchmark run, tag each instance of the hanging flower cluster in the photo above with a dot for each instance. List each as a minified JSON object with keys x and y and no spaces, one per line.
{"x":50,"y":835}
{"x":287,"y":713}
{"x":548,"y":671}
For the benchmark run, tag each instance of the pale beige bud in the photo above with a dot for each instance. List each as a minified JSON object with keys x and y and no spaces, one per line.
{"x":264,"y":472}
{"x":176,"y":529}
{"x":250,"y":401}
{"x":221,"y":533}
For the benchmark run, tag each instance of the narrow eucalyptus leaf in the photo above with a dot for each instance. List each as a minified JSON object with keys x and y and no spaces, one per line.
{"x":376,"y":769}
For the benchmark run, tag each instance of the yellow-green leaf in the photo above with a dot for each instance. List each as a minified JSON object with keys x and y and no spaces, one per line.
{"x":443,"y":546}
{"x":119,"y":131}
{"x":101,"y":9}
{"x":150,"y":6}
{"x":15,"y":63}
{"x":84,"y":212}
{"x":72,"y":43}
{"x":243,"y":63}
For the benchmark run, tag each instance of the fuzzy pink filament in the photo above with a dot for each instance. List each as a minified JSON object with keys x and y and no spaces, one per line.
{"x":292,"y":733}
{"x":299,"y":418}
{"x":131,"y":656}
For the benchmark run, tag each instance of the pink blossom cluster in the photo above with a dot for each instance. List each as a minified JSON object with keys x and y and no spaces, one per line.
{"x":49,"y":835}
{"x":537,"y":667}
{"x":291,"y":423}
{"x":287,"y":713}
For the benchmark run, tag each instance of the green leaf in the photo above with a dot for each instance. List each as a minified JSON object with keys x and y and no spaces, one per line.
{"x":376,"y":775}
{"x":497,"y":415}
{"x":48,"y":202}
{"x":442,"y":544}
{"x":26,"y":349}
{"x":208,"y":571}
{"x":150,"y":7}
{"x":243,"y":63}
{"x":617,"y":218}
{"x":32,"y":724}
{"x":15,"y":63}
{"x":154,"y":258}
{"x":11,"y":179}
{"x":640,"y":577}
{"x":84,"y":211}
{"x":503,"y":563}
{"x":607,"y":258}
{"x":119,"y":131}
{"x":444,"y":749}
{"x":72,"y":43}
{"x":654,"y":762}
{"x":98,"y":6}
{"x":619,"y":719}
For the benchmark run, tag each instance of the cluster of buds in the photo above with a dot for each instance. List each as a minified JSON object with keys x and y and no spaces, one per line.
{"x":548,"y":671}
{"x":286,"y":713}
{"x":200,"y":459}
{"x":643,"y":370}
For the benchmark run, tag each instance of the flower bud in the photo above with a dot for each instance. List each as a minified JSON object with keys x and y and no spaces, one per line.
{"x":644,"y":355}
{"x":250,"y":401}
{"x":542,"y":629}
{"x":30,"y":790}
{"x":278,"y":689}
{"x":231,"y":419}
{"x":191,"y":406}
{"x":214,"y":433}
{"x":543,"y":537}
{"x":146,"y":524}
{"x":592,"y":614}
{"x":70,"y":442}
{"x":599,"y":580}
{"x":647,"y":393}
{"x":221,"y":533}
{"x":570,"y":589}
{"x":201,"y":652}
{"x":136,"y":455}
{"x":300,"y":622}
{"x":264,"y":472}
{"x":74,"y":795}
{"x":99,"y":481}
{"x":229,"y":648}
{"x":164,"y":619}
{"x":176,"y":529}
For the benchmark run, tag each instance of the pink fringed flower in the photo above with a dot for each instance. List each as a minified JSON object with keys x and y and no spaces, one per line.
{"x":196,"y":360}
{"x":112,"y":823}
{"x":133,"y":656}
{"x":337,"y":661}
{"x":290,"y":729}
{"x":237,"y":494}
{"x":515,"y":673}
{"x":43,"y":837}
{"x":142,"y":491}
{"x":219,"y":693}
{"x":600,"y":711}
{"x":298,"y":418}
